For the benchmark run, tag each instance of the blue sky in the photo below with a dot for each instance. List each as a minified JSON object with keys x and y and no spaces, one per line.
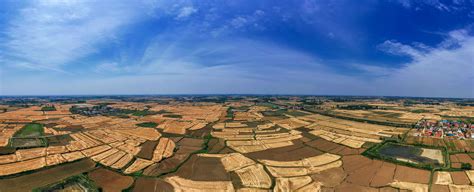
{"x":366,"y":47}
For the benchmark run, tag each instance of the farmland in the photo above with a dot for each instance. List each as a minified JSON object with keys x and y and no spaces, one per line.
{"x":245,"y":144}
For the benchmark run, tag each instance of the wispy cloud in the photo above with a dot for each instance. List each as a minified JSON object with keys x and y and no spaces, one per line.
{"x":206,"y":47}
{"x":452,"y":5}
{"x":186,"y":12}
{"x":441,"y":71}
{"x":50,"y":34}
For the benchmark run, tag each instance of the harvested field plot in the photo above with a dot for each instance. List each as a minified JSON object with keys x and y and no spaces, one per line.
{"x":138,"y":165}
{"x":181,"y":184}
{"x":254,"y":176}
{"x":413,"y":175}
{"x":231,"y":143}
{"x":349,"y":133}
{"x":296,"y":184}
{"x":48,"y":176}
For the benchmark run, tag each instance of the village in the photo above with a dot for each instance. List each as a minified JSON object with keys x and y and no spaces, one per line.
{"x":444,"y":129}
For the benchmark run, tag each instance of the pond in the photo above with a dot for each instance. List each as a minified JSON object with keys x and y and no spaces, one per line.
{"x":412,"y":154}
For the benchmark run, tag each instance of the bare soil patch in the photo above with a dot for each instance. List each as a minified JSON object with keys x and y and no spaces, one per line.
{"x":439,"y":188}
{"x":354,"y":188}
{"x":191,"y":142}
{"x":331,"y":177}
{"x":199,"y":168}
{"x":110,"y":181}
{"x":354,"y":162}
{"x":384,"y":175}
{"x":146,"y":151}
{"x":166,"y":165}
{"x":145,"y":184}
{"x":408,"y":174}
{"x":364,"y":175}
{"x":460,"y":178}
{"x":323,"y":145}
{"x":298,"y":152}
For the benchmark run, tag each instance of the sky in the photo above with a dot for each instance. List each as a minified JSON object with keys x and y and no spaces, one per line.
{"x":321,"y":47}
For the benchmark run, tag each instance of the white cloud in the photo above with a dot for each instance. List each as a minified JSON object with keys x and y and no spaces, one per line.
{"x":186,"y":12}
{"x":441,"y":71}
{"x":108,"y":67}
{"x":238,"y":22}
{"x":50,"y":34}
{"x":396,"y":48}
{"x":247,"y":66}
{"x":449,"y":6}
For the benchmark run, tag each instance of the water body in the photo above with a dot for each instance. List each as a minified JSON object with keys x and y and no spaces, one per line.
{"x":407,"y":152}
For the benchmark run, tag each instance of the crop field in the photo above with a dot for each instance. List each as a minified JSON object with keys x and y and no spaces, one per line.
{"x":29,"y":136}
{"x":75,"y":183}
{"x":453,"y":145}
{"x":349,"y":133}
{"x":30,"y":130}
{"x":381,"y":115}
{"x":29,"y":181}
{"x":235,"y":144}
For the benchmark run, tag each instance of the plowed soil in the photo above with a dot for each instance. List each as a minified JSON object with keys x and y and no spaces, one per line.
{"x":354,"y":162}
{"x":408,"y":174}
{"x":298,"y":152}
{"x":199,"y":168}
{"x":110,"y":181}
{"x":384,"y":175}
{"x":166,"y":165}
{"x":460,"y":178}
{"x":146,"y":151}
{"x":144,"y":184}
{"x":439,"y":188}
{"x":331,"y":177}
{"x":364,"y":175}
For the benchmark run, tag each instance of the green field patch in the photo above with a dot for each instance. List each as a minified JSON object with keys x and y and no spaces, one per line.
{"x":269,"y":105}
{"x":172,"y":116}
{"x":420,"y":111}
{"x":30,"y":130}
{"x":295,"y":113}
{"x":7,"y":150}
{"x":276,"y":113}
{"x":28,"y":142}
{"x":48,"y":108}
{"x":162,"y":111}
{"x":31,"y":135}
{"x":74,"y":183}
{"x":144,"y":113}
{"x":147,"y":124}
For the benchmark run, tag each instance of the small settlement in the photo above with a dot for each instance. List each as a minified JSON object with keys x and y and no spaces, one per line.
{"x":444,"y":129}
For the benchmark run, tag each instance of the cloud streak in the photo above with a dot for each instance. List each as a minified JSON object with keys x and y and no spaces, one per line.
{"x":160,"y":47}
{"x":49,"y":34}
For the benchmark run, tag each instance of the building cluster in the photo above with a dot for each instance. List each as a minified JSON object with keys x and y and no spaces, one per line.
{"x":444,"y":128}
{"x":90,"y":110}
